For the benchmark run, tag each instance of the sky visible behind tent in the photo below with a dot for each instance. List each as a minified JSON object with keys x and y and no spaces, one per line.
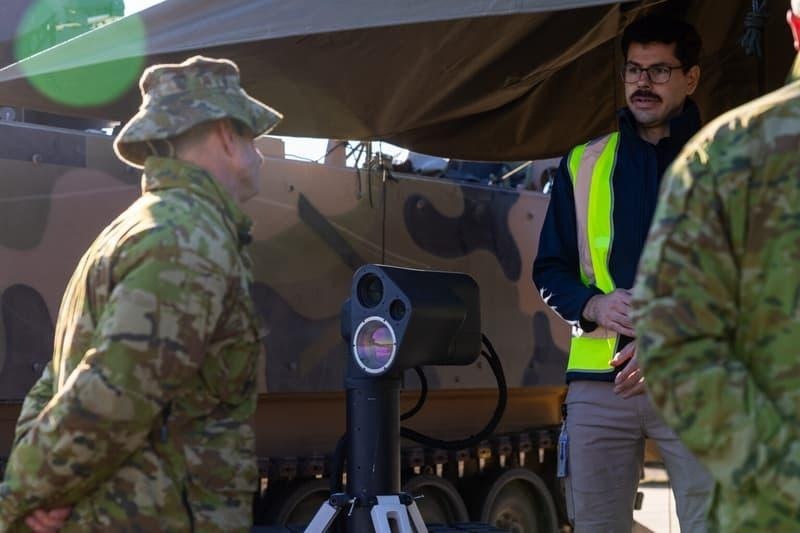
{"x":134,"y":6}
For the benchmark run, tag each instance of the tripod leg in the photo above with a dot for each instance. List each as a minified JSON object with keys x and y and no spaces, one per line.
{"x":323,"y":519}
{"x":389,"y":507}
{"x":416,"y":518}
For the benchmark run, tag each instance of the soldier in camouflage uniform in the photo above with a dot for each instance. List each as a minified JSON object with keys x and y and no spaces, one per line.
{"x":717,"y":312}
{"x":141,"y":422}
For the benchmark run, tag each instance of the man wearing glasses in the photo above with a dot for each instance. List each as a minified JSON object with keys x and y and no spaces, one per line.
{"x":600,"y":211}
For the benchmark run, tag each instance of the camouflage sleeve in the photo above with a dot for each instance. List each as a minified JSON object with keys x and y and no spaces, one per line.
{"x":686,"y":314}
{"x":150,"y":337}
{"x":35,"y":401}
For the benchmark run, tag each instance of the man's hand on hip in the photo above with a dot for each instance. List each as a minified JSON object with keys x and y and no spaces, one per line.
{"x":630,"y":381}
{"x":611,"y":311}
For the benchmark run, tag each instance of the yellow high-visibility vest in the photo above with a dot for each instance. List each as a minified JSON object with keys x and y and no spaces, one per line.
{"x":591,"y":167}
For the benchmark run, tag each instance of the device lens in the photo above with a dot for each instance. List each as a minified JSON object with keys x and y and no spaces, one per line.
{"x":397,"y":309}
{"x":375,"y":345}
{"x":370,"y":290}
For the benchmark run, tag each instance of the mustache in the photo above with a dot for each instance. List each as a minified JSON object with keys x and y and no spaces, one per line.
{"x":645,"y":94}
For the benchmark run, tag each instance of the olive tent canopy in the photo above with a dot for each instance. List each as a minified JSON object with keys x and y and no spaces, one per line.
{"x":473,"y":79}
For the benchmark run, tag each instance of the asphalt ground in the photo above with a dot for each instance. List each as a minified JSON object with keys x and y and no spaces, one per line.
{"x":657,"y":514}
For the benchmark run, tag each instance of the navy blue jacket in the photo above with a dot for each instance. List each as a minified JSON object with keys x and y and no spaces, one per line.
{"x":636,"y":182}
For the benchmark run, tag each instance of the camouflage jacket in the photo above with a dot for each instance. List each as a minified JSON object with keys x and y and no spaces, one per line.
{"x":142,"y":420}
{"x":717,"y":310}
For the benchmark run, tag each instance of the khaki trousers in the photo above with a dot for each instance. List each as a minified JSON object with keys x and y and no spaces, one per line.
{"x":605,"y":456}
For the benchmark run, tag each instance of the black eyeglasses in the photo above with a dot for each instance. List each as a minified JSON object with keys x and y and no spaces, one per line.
{"x":632,"y":73}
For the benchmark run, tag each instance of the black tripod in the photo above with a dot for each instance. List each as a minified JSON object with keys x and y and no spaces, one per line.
{"x":396,"y":319}
{"x":373,"y":499}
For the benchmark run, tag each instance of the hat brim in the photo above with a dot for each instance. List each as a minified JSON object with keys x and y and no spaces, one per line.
{"x":171,"y":116}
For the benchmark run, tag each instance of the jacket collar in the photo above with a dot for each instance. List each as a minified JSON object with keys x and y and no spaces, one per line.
{"x":681,"y":127}
{"x":161,"y":173}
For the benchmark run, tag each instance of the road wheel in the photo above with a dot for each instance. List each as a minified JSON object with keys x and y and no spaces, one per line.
{"x":297,"y":502}
{"x":440,"y":503}
{"x":518,"y":501}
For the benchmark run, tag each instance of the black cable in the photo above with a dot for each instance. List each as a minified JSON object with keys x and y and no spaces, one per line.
{"x":423,"y":395}
{"x":336,"y":485}
{"x":369,"y":172}
{"x":337,"y":465}
{"x":502,"y":399}
{"x":359,"y":146}
{"x":383,"y":216}
{"x":329,"y":152}
{"x":755,"y":22}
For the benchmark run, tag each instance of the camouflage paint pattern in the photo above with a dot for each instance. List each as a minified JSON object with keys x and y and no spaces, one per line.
{"x":717,"y":310}
{"x":491,"y":233}
{"x":314,"y":224}
{"x":51,"y":212}
{"x":142,"y":419}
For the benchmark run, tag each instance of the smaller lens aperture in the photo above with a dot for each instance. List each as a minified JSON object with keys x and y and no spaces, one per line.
{"x":397,"y":309}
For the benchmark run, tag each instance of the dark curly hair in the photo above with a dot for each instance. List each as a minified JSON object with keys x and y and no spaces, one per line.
{"x":666,"y":30}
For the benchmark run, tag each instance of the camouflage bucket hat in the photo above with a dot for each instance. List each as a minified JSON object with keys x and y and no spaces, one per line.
{"x":178,"y":97}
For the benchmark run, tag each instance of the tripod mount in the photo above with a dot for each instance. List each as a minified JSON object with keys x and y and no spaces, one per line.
{"x":395,"y":319}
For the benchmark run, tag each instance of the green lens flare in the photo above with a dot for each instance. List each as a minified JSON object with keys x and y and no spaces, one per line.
{"x":114,"y":53}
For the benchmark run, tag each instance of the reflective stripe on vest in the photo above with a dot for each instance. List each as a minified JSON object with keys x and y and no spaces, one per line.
{"x":591,"y":167}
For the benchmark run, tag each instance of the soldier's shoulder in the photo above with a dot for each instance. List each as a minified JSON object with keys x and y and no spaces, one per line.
{"x":189,"y":215}
{"x":174,"y":231}
{"x":750,"y":129}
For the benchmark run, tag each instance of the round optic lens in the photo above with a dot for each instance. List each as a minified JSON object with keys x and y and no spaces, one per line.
{"x":374,"y":345}
{"x":397,"y":309}
{"x":370,"y":290}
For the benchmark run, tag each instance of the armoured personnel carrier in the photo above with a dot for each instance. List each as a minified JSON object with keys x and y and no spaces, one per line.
{"x":308,"y":241}
{"x":316,"y":223}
